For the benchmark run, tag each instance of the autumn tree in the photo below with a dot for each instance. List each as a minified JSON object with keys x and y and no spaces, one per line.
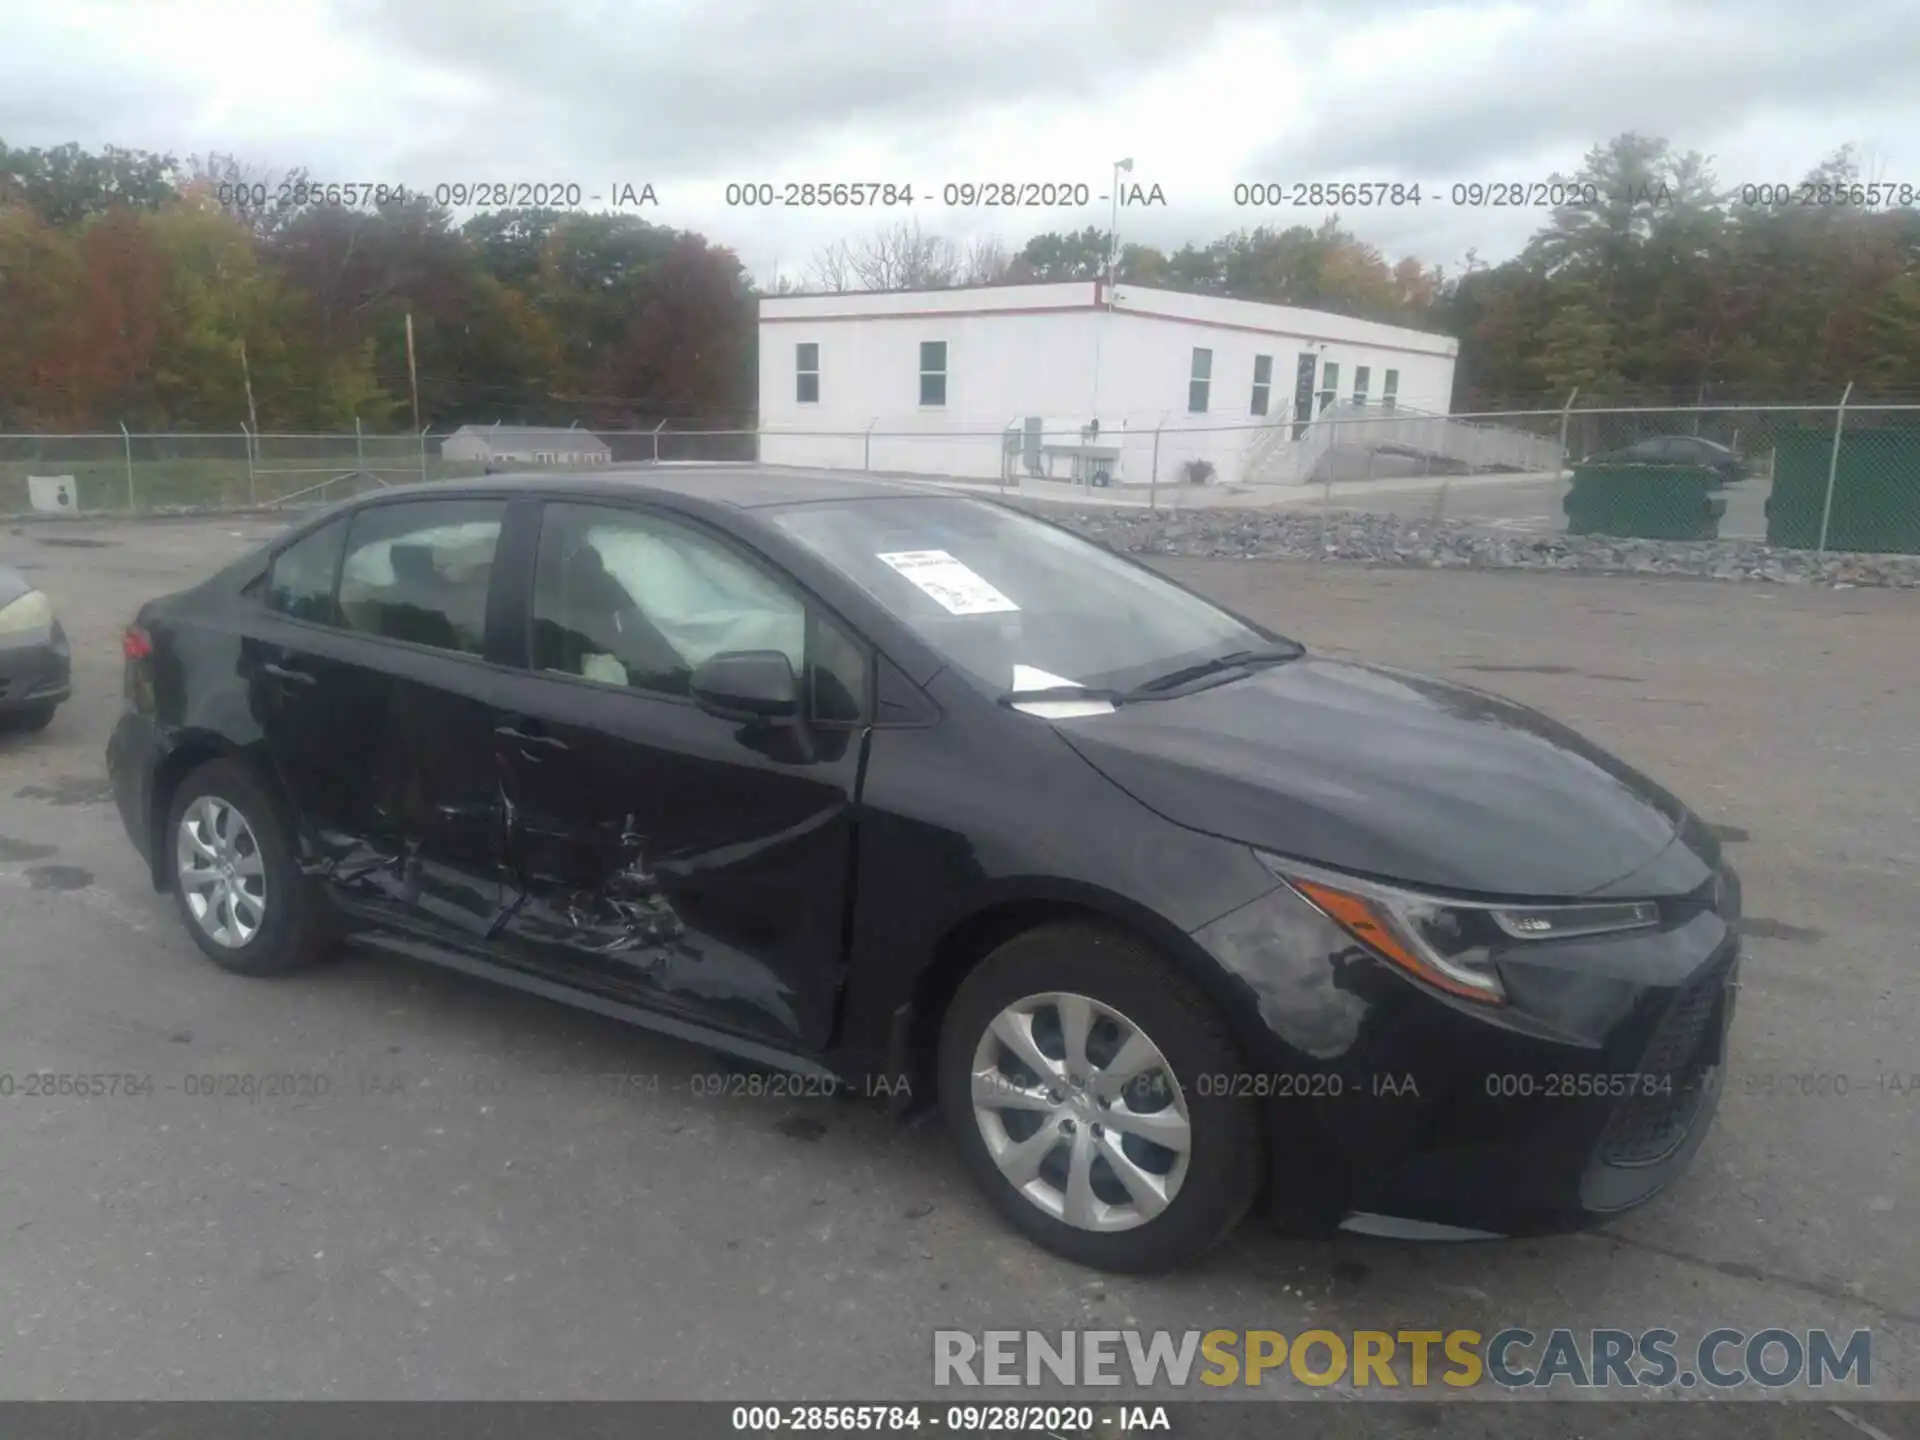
{"x":131,"y":285}
{"x":41,"y":344}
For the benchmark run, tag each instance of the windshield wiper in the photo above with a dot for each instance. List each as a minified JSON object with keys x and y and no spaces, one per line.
{"x":1220,"y":665}
{"x":1160,"y":687}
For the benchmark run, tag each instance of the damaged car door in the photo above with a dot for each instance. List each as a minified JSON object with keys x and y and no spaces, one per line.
{"x":694,"y":861}
{"x":376,"y":698}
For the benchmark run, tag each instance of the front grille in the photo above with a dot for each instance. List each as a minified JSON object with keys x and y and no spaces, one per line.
{"x":1679,"y":1060}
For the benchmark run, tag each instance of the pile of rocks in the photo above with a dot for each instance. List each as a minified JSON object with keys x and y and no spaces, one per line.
{"x":1357,"y":536}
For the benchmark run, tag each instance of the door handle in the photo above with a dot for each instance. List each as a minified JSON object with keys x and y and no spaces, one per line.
{"x":281,"y":672}
{"x":532,"y":742}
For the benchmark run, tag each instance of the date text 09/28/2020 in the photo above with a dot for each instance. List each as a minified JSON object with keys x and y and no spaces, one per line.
{"x":453,"y":194}
{"x":998,"y":1419}
{"x":1556,"y":193}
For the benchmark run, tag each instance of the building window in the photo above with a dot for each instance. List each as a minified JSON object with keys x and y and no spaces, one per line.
{"x":1262,"y":382}
{"x":933,"y":372}
{"x":806,"y":365}
{"x":1329,"y":385}
{"x":1199,"y":381}
{"x":1392,"y":392}
{"x":1361,"y":375}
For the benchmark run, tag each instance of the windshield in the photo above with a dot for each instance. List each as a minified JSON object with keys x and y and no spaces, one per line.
{"x":1013,"y":603}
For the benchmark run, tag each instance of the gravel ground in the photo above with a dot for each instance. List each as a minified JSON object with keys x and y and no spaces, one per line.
{"x":1352,"y":535}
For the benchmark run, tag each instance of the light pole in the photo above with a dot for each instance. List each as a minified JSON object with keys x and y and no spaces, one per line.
{"x":1113,"y":267}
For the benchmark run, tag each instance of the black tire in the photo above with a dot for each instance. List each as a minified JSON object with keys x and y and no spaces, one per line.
{"x":1227,"y":1156}
{"x":294,"y":932}
{"x":28,"y":721}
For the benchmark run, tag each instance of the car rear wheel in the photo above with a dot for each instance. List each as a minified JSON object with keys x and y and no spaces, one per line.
{"x":244,"y":901}
{"x":1078,"y":1075}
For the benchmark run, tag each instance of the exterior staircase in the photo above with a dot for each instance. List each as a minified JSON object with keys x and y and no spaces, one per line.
{"x":1349,"y":441}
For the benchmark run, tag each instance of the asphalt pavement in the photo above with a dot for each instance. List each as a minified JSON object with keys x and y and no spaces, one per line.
{"x":479,"y":1195}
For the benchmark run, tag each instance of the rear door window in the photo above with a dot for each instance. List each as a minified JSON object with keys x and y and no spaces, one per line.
{"x":419,"y":570}
{"x":300,"y":582}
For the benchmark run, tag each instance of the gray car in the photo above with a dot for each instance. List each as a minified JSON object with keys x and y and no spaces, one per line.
{"x":1678,"y":450}
{"x":35,"y":661}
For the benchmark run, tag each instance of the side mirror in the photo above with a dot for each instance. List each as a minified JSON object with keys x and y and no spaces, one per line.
{"x":747,"y":685}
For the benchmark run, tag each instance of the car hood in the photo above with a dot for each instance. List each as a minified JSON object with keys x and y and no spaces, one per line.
{"x":12,"y":585}
{"x":1395,"y":775}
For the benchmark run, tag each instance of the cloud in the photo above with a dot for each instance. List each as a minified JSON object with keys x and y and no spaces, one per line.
{"x":690,"y":88}
{"x":691,"y":94}
{"x":1457,"y":94}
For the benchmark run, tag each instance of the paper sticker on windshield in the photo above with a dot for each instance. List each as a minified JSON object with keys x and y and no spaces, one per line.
{"x":952,"y":585}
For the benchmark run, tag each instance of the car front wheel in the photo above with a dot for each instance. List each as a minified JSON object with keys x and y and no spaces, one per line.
{"x":1081,"y":1076}
{"x":29,"y":720}
{"x":235,"y":878}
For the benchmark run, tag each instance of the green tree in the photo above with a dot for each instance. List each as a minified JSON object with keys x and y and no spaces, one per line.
{"x":67,"y":185}
{"x":511,"y":244}
{"x":227,"y":316}
{"x":1054,"y":256}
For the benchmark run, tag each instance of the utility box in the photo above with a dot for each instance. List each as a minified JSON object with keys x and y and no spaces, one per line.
{"x":52,"y":494}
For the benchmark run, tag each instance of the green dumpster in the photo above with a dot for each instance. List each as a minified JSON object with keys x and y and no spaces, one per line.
{"x":1876,"y":489}
{"x":1647,"y":502}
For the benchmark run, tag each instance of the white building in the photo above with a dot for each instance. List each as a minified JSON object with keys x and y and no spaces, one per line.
{"x":1009,"y":380}
{"x":524,"y":445}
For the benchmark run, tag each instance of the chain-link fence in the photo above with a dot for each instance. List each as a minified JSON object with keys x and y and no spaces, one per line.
{"x":1832,"y":478}
{"x":1803,"y":477}
{"x":136,"y":473}
{"x":484,"y":450}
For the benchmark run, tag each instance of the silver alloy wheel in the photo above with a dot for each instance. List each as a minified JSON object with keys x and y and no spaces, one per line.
{"x":223,"y":875}
{"x":1081,"y":1111}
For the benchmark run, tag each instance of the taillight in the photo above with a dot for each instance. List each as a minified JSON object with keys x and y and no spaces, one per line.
{"x":137,"y":675}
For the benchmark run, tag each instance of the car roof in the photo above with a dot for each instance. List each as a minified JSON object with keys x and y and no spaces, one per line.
{"x":742,"y":487}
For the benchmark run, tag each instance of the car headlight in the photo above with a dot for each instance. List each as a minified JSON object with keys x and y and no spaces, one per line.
{"x":1449,"y":943}
{"x":31,"y":611}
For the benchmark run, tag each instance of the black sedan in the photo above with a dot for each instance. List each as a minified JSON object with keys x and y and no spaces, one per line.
{"x":35,"y":660}
{"x":919,"y":796}
{"x":1678,"y":450}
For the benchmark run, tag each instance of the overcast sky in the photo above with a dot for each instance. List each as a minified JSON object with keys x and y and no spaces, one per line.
{"x":690,"y":94}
